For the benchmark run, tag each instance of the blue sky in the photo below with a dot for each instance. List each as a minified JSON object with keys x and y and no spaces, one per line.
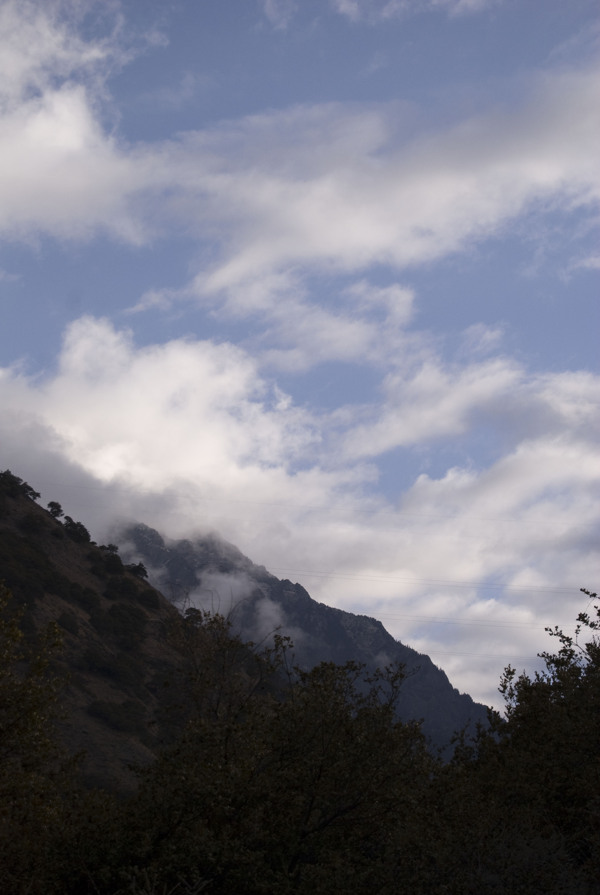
{"x":322,"y":277}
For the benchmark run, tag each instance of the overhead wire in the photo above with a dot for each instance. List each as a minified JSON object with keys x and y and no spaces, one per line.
{"x":416,"y":580}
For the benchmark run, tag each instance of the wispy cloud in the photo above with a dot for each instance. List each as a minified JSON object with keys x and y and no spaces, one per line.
{"x":313,"y":188}
{"x":62,"y":172}
{"x":6,"y":277}
{"x":279,"y":12}
{"x":190,"y":86}
{"x":376,"y":11}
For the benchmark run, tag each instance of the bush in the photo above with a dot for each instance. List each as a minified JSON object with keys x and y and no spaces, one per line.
{"x":149,"y":599}
{"x":127,"y":717}
{"x":113,"y":564}
{"x":129,"y":623}
{"x":124,"y":622}
{"x":31,"y":524}
{"x":138,"y":569}
{"x":84,"y":597}
{"x":76,"y":531}
{"x":120,"y":588}
{"x":68,"y":621}
{"x":14,"y":486}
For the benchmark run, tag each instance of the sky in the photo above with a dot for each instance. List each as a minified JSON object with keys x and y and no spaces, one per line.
{"x":321,"y":276}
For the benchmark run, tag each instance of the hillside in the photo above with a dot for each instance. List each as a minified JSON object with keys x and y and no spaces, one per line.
{"x":253,"y":778}
{"x":115,"y":655}
{"x":209,"y":571}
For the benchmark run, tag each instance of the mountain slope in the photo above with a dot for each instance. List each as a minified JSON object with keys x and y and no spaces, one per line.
{"x":214,"y":574}
{"x":115,"y":655}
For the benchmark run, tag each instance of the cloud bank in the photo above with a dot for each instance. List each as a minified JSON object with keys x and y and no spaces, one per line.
{"x":187,"y":436}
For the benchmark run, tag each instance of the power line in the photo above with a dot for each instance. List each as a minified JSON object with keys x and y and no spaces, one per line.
{"x":453,"y":621}
{"x":414,"y":580}
{"x":489,"y":656}
{"x":350,"y":577}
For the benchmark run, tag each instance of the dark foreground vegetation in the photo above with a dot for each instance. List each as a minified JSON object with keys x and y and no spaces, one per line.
{"x":272,"y":780}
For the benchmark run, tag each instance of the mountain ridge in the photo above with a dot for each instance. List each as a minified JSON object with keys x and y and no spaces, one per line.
{"x":190,"y":570}
{"x":117,"y":655}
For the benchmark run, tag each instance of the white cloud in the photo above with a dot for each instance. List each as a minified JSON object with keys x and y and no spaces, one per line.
{"x":60,"y":172}
{"x":591,"y":262}
{"x":39,"y":45}
{"x":431,"y":402}
{"x":479,"y":339}
{"x":190,"y":86}
{"x":215,"y":407}
{"x":192,"y":434}
{"x":367,"y":330}
{"x":324,"y":187}
{"x":6,"y":277}
{"x":187,"y":436}
{"x":376,"y":11}
{"x":279,"y":12}
{"x":339,"y":188}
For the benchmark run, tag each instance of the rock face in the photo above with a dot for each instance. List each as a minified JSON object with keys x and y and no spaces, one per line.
{"x":212,"y":573}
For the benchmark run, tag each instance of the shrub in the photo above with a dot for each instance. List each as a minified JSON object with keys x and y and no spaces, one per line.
{"x":76,"y":531}
{"x":127,"y":717}
{"x":68,"y":621}
{"x":120,"y":588}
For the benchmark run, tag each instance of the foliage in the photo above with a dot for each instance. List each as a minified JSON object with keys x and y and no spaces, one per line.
{"x":32,"y":767}
{"x":113,"y":564}
{"x":526,"y":793}
{"x":55,"y":509}
{"x":118,"y":588}
{"x":31,"y":524}
{"x":68,"y":621}
{"x":13,"y":486}
{"x":291,"y":781}
{"x":26,"y":570}
{"x":553,"y":736}
{"x":76,"y":531}
{"x":128,"y":716}
{"x":123,"y":621}
{"x":138,"y":569}
{"x":274,"y":779}
{"x":148,"y":598}
{"x":299,"y":783}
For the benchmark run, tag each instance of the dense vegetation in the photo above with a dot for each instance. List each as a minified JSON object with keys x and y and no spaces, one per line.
{"x":276,"y":781}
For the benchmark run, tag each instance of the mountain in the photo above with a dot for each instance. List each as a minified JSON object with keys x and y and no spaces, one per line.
{"x":253,"y":779}
{"x":115,"y":654}
{"x":214,"y":574}
{"x":118,"y":657}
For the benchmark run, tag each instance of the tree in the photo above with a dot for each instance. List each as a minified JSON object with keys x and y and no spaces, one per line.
{"x":76,"y":531}
{"x":138,"y":569}
{"x":283,"y":780}
{"x":32,"y":765}
{"x":55,"y":509}
{"x":553,"y":730}
{"x":520,"y":806}
{"x":13,"y":486}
